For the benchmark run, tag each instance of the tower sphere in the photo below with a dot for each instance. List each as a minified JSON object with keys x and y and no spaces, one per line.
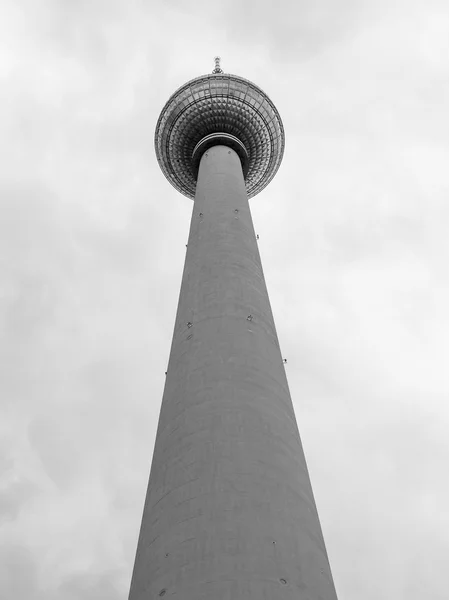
{"x":219,"y":109}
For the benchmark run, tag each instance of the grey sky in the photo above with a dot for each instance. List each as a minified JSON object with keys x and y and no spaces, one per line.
{"x":353,"y":238}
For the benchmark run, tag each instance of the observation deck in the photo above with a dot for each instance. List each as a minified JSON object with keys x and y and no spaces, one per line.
{"x":219,"y":108}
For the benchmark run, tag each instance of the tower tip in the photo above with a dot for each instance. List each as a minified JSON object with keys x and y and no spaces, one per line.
{"x":217,"y":68}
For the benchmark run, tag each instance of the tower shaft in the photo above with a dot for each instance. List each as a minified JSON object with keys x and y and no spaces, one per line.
{"x":229,"y":513}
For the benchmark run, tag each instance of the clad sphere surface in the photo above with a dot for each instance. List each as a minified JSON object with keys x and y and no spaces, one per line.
{"x":219,"y":103}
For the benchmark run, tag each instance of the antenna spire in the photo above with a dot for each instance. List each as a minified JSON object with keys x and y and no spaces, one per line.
{"x":218,"y":68}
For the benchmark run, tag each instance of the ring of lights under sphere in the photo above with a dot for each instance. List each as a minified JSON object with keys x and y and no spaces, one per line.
{"x":219,"y":103}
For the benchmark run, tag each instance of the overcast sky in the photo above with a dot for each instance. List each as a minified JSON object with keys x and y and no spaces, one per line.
{"x":354,"y":242}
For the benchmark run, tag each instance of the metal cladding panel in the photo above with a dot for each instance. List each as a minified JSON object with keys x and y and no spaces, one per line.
{"x":229,"y":512}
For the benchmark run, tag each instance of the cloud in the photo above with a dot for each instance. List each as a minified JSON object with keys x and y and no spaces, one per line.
{"x":15,"y":490}
{"x":13,"y":497}
{"x":89,"y":586}
{"x":18,"y":573}
{"x":289,"y":32}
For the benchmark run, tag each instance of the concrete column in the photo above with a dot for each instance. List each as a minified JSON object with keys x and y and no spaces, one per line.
{"x":229,"y":512}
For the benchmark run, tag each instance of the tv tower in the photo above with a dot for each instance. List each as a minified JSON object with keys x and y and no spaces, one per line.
{"x":229,"y":512}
